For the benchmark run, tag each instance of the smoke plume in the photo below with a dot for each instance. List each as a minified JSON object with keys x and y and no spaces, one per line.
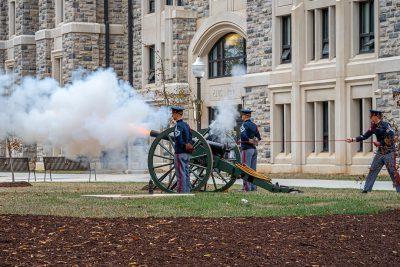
{"x":95,"y":112}
{"x":227,"y":112}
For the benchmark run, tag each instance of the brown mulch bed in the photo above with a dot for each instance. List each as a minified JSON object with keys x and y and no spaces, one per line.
{"x":331,"y":240}
{"x":15,"y":184}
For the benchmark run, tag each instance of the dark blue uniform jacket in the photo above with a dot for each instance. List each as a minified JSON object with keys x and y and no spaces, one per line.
{"x":182,"y":136}
{"x":384,"y":135}
{"x":248,"y":131}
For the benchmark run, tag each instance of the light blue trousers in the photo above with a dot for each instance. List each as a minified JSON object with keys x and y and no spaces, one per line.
{"x":379,"y":160}
{"x":249,"y":158}
{"x":182,"y":172}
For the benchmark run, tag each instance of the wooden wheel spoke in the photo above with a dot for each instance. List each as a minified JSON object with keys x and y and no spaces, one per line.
{"x":170,"y":140}
{"x":199,"y":166}
{"x":165,"y":174}
{"x":215,"y":184}
{"x":199,"y":156}
{"x":195,"y":175}
{"x":221,"y":177}
{"x":163,"y":165}
{"x":171,"y":180}
{"x":174,"y":185}
{"x":166,"y":149}
{"x":163,"y":157}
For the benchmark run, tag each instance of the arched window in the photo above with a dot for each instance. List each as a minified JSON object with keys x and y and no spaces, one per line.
{"x":228,"y":52}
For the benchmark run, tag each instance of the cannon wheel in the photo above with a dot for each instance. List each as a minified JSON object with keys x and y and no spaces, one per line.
{"x":163,"y":173}
{"x":220,"y":181}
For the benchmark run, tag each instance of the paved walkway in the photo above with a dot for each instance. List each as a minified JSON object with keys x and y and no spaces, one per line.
{"x":143,"y":177}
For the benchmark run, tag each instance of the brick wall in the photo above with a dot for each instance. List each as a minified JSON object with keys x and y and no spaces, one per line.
{"x":202,"y":7}
{"x":27,"y":17}
{"x":25,"y":60}
{"x":259,"y":31}
{"x":137,"y":45}
{"x":80,"y":50}
{"x":80,"y":11}
{"x":46,"y":14}
{"x":183,"y":31}
{"x":257,"y":99}
{"x":2,"y":59}
{"x":389,"y":25}
{"x":115,"y":9}
{"x":389,"y":102}
{"x":3,"y":20}
{"x":43,"y":58}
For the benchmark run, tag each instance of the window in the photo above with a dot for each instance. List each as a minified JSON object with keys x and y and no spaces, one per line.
{"x":179,"y":3}
{"x":169,"y":2}
{"x":228,"y":52}
{"x":367,"y":37}
{"x":212,"y":114}
{"x":57,"y":69}
{"x":59,"y":6}
{"x":152,"y":6}
{"x":283,"y":132}
{"x":312,"y":18}
{"x":361,"y":123}
{"x":152,"y":64}
{"x":325,"y":33}
{"x":286,"y":56}
{"x":325,"y":127}
{"x":12,"y":18}
{"x":320,"y":127}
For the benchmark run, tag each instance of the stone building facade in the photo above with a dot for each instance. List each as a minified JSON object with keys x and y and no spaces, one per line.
{"x":312,"y":68}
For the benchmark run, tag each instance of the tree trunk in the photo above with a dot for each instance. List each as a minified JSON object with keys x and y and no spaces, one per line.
{"x":11,"y":160}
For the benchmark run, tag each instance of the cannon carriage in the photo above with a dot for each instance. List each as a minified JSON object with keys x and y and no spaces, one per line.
{"x":214,"y":166}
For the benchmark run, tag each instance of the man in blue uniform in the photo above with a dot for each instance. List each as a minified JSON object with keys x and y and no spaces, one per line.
{"x":183,"y":139}
{"x":386,"y":153}
{"x":249,"y":138}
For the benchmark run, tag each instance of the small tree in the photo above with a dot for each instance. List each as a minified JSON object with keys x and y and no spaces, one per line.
{"x":13,"y":144}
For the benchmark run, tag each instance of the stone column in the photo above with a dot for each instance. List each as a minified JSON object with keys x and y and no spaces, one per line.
{"x":80,"y":50}
{"x":298,"y":59}
{"x":343,"y":40}
{"x":27,"y":21}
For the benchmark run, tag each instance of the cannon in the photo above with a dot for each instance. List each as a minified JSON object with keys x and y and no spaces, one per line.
{"x":214,"y":166}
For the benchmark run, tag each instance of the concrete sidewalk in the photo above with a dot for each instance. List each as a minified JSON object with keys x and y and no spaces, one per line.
{"x":144,"y":177}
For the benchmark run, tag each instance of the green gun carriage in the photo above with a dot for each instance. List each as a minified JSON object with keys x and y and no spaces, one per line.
{"x":214,"y":165}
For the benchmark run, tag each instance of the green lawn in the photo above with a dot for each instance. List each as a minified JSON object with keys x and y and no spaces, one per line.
{"x":383,"y":177}
{"x":65,"y":199}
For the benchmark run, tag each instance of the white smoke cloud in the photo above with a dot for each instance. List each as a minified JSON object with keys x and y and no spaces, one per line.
{"x":95,"y":112}
{"x":227,"y":112}
{"x":225,"y":121}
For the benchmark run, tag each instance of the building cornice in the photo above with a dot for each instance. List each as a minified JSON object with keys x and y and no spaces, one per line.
{"x":78,"y":27}
{"x":387,"y":64}
{"x":20,"y":40}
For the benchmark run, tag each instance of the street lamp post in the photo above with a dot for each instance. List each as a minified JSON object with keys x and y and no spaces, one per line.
{"x":198,"y":69}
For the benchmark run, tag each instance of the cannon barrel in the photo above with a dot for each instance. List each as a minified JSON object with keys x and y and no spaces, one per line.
{"x":215,"y":146}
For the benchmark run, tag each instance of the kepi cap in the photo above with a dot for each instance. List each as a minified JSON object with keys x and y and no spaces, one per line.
{"x":177,"y":108}
{"x":375,"y":112}
{"x":246,"y":111}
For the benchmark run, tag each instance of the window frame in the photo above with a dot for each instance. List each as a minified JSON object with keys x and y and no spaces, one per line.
{"x":325,"y":126}
{"x":286,"y":39}
{"x":152,"y":6}
{"x":12,"y":13}
{"x":325,"y":33}
{"x":151,"y":78}
{"x":369,"y":35}
{"x":221,"y":60}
